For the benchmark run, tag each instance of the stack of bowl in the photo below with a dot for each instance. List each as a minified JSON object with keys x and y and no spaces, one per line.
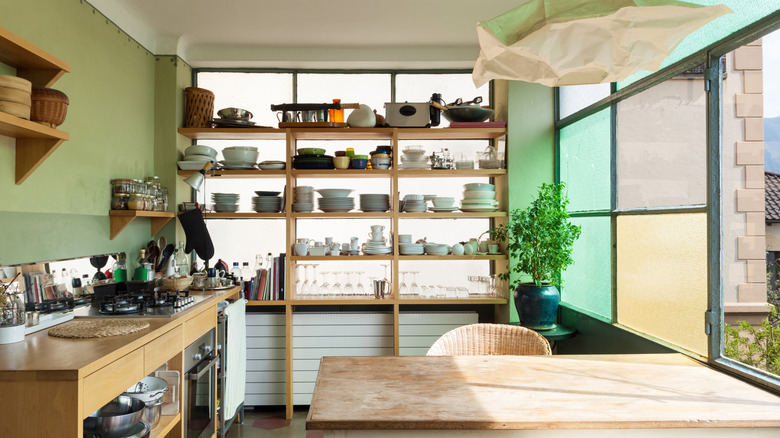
{"x":335,"y":200}
{"x":239,"y":157}
{"x":437,"y":249}
{"x":414,"y":157}
{"x":381,"y":158}
{"x":196,"y":156}
{"x":479,"y":197}
{"x":267,"y":202}
{"x":409,"y":248}
{"x":312,"y":158}
{"x":225,"y":202}
{"x":118,"y":418}
{"x":415,"y":204}
{"x":303,"y":199}
{"x":377,"y":202}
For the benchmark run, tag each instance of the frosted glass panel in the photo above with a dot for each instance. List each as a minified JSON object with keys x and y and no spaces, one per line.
{"x":576,"y":97}
{"x":585,"y":162}
{"x":745,"y":13}
{"x":370,"y":89}
{"x":661,"y":140}
{"x":255,"y":92}
{"x":662,"y":277}
{"x":419,"y":87}
{"x":587,"y":284}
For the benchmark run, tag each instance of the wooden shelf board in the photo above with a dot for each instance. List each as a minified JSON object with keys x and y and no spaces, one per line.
{"x":341,"y":301}
{"x":341,"y":257}
{"x":234,"y":133}
{"x":452,"y":215}
{"x":167,"y":422}
{"x":120,"y":219}
{"x":454,"y":257}
{"x":31,"y":63}
{"x":435,"y":301}
{"x":352,"y":301}
{"x":341,"y":133}
{"x":250,"y":174}
{"x":456,"y":173}
{"x":247,"y":215}
{"x":341,"y":173}
{"x":355,"y":214}
{"x":12,"y":126}
{"x":450,"y":133}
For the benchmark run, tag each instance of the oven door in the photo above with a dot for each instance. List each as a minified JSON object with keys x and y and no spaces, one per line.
{"x":200,"y":398}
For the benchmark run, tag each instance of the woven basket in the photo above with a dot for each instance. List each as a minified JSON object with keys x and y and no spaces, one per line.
{"x":177,"y":284}
{"x":49,"y":106}
{"x":198,"y":107}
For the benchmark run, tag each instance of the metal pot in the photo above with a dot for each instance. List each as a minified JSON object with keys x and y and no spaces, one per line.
{"x":152,"y":413}
{"x":467,"y":113}
{"x":117,"y":418}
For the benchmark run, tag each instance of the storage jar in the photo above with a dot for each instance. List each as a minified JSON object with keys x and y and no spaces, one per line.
{"x":119,"y":201}
{"x":136,"y":202}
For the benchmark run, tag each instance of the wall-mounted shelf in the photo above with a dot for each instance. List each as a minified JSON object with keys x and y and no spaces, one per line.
{"x":120,"y":219}
{"x":34,"y":142}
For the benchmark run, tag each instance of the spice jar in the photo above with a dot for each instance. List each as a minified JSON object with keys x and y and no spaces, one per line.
{"x":119,"y":201}
{"x":136,"y":202}
{"x":121,"y":185}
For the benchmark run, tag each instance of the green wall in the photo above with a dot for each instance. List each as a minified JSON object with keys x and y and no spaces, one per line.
{"x":61,"y":210}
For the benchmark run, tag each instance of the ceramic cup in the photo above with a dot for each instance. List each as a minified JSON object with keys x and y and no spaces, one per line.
{"x":301,"y":249}
{"x":376,"y":236}
{"x":9,"y":272}
{"x":345,"y":246}
{"x":377,"y":228}
{"x":341,"y":162}
{"x":493,"y":249}
{"x":335,"y":251}
{"x":458,"y":249}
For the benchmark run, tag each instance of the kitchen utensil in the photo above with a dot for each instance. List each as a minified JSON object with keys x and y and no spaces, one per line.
{"x":459,"y":101}
{"x":117,"y":418}
{"x":148,"y":390}
{"x":166,"y":254}
{"x":467,"y":113}
{"x":141,"y":430}
{"x":234,"y":113}
{"x":152,"y":413}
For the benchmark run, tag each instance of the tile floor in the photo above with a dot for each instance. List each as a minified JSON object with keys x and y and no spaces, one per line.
{"x":270,"y":423}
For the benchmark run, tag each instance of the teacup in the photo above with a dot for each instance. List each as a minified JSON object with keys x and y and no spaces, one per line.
{"x":345,"y":246}
{"x":376,"y":236}
{"x":493,"y":248}
{"x":377,"y":228}
{"x":335,"y":251}
{"x":443,"y":202}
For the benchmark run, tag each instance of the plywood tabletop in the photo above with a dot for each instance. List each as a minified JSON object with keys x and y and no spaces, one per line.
{"x":533,"y":392}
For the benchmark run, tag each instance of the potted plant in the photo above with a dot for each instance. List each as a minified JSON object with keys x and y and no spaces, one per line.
{"x":540,"y":241}
{"x":495,"y":235}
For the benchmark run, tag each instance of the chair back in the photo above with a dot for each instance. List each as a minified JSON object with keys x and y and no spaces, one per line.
{"x":490,"y":339}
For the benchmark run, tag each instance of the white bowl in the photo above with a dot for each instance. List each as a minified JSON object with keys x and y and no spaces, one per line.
{"x":443,"y":201}
{"x":414,"y":198}
{"x":246,"y":156}
{"x":479,"y":187}
{"x":241,"y":148}
{"x":479,"y":194}
{"x":201,"y":150}
{"x":334,"y":193}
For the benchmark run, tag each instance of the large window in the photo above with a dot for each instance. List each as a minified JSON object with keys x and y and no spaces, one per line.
{"x":673,"y":177}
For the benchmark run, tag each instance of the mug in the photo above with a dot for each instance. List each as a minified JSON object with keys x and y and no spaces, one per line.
{"x":301,"y":249}
{"x":328,"y":241}
{"x":287,"y":116}
{"x":354,"y":245}
{"x":335,"y":251}
{"x":492,"y":249}
{"x":381,"y":288}
{"x":346,"y":246}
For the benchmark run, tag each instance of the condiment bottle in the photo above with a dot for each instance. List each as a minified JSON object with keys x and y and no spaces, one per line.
{"x":140,"y":270}
{"x":336,"y":115}
{"x":182,"y":265}
{"x":120,"y":268}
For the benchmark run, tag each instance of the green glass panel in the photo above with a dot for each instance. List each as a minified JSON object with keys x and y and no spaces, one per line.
{"x":587,"y":284}
{"x":585,"y":162}
{"x":745,"y":13}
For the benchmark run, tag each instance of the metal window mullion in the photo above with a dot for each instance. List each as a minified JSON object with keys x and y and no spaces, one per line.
{"x":714,"y":319}
{"x":613,"y":152}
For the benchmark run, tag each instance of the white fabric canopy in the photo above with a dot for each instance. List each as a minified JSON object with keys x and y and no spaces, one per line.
{"x":571,"y":42}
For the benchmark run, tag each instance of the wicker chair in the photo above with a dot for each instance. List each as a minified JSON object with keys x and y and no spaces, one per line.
{"x":490,"y":339}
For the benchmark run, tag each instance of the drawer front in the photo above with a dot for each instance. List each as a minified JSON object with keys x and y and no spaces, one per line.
{"x":162,"y":349}
{"x":199,"y":324}
{"x":106,"y":383}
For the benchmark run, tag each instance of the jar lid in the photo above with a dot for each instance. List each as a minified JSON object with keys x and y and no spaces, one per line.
{"x":122,"y":194}
{"x":120,"y":180}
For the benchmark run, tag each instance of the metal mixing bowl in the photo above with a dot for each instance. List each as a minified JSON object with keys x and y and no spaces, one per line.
{"x":467,"y":113}
{"x":117,"y":418}
{"x":234,"y":114}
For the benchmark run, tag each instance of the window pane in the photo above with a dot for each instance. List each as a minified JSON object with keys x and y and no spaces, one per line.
{"x":369,"y":89}
{"x":420,"y":87}
{"x":255,"y":92}
{"x":661,"y":138}
{"x":576,"y":97}
{"x":745,"y":13}
{"x":585,"y":162}
{"x":662,"y":277}
{"x":588,"y":282}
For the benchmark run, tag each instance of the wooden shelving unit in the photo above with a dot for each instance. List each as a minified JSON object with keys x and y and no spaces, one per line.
{"x":120,"y":219}
{"x":34,"y":142}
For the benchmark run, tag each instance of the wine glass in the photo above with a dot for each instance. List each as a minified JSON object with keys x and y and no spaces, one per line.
{"x":336,"y":288}
{"x":325,"y":286}
{"x":314,"y":287}
{"x":414,"y":289}
{"x":299,"y":273}
{"x":360,"y":288}
{"x":348,"y":289}
{"x":306,"y":289}
{"x":403,"y":288}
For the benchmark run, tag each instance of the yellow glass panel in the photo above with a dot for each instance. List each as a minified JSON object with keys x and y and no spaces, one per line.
{"x":662,"y":277}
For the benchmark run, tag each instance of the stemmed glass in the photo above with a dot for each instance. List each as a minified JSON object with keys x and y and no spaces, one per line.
{"x":314,"y":287}
{"x":387,"y":279}
{"x":306,"y":289}
{"x":336,"y":288}
{"x":414,"y":289}
{"x":361,"y":289}
{"x":325,"y":286}
{"x":348,"y":289}
{"x":403,"y":288}
{"x":300,"y":269}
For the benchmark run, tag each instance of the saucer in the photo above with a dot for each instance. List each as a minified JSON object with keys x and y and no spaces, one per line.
{"x":494,"y":253}
{"x":443,"y":208}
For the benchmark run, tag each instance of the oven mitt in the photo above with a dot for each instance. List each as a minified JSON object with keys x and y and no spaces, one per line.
{"x":197,"y":234}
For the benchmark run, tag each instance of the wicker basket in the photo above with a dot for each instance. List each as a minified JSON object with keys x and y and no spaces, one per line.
{"x":198,"y":107}
{"x":49,"y":106}
{"x":177,"y":284}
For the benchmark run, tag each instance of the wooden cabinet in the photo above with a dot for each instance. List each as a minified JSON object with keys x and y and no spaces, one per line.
{"x":34,"y":142}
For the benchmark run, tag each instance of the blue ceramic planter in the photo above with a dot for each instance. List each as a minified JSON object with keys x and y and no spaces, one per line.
{"x":537,"y":305}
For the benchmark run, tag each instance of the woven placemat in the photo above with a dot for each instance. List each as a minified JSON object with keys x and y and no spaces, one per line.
{"x":98,"y":328}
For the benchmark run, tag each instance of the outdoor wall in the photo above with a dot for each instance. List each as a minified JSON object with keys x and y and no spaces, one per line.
{"x":61,"y":210}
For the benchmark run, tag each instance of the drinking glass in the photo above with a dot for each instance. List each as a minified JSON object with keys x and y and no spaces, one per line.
{"x":300,"y":269}
{"x":348,"y":289}
{"x":360,"y":287}
{"x":403,"y":288}
{"x":314,"y":287}
{"x":325,"y":286}
{"x":414,"y":289}
{"x":336,"y":288}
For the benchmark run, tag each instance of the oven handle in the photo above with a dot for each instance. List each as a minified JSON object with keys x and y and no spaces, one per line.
{"x":196,"y":376}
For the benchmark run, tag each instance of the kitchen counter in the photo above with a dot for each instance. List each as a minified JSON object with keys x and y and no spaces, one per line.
{"x":56,"y":382}
{"x":537,"y":396}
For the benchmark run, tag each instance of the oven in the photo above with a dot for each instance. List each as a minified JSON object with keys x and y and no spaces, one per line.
{"x":200,"y":381}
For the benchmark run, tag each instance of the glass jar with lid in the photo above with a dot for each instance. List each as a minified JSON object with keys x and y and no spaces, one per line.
{"x":119,"y":201}
{"x":121,"y":185}
{"x":136,"y":201}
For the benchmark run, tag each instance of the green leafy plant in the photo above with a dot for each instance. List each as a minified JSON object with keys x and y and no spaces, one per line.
{"x":757,"y":346}
{"x":541,"y":238}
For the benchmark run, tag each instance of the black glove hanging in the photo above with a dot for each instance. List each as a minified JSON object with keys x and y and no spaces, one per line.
{"x":197,"y":234}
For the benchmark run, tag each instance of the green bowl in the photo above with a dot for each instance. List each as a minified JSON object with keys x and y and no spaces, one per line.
{"x":360,"y":157}
{"x":311,"y":151}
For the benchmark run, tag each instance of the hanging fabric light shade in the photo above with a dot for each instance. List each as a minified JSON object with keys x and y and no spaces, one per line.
{"x":572,"y":42}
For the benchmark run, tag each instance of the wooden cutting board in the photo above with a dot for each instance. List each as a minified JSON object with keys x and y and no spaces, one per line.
{"x":98,"y":328}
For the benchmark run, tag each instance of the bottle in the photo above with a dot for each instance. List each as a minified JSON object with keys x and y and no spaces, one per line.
{"x":336,"y":115}
{"x":258,"y":262}
{"x":246,"y":273}
{"x":235,"y":271}
{"x":76,"y":283}
{"x":120,"y":268}
{"x":140,"y":270}
{"x":435,"y":113}
{"x":182,"y":264}
{"x":65,"y":278}
{"x":269,"y":260}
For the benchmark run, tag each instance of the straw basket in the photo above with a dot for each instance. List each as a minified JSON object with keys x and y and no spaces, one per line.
{"x":177,"y":284}
{"x":198,"y":107}
{"x":49,"y":106}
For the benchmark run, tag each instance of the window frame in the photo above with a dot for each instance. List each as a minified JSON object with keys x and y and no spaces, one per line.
{"x":710,"y":56}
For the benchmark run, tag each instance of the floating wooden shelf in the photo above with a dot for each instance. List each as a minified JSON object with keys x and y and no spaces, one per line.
{"x":353,"y":301}
{"x":120,"y":219}
{"x":34,"y":142}
{"x":247,"y":215}
{"x":248,"y":174}
{"x":343,"y":133}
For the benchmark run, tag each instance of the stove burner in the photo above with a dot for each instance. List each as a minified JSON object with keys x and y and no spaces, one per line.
{"x":121,"y":305}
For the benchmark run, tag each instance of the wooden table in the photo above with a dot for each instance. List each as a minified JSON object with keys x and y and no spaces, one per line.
{"x":667,"y":395}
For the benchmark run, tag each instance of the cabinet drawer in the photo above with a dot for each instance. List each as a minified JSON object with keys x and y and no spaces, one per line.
{"x":199,"y":324}
{"x":162,"y":349}
{"x":113,"y":379}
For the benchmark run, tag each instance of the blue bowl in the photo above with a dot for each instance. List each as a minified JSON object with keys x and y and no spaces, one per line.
{"x":359,"y":163}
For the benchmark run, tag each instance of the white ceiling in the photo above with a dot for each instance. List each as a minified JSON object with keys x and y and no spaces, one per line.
{"x":309,"y":33}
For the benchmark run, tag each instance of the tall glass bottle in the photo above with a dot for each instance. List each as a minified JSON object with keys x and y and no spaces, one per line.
{"x":182,"y":263}
{"x":65,"y":279}
{"x":120,"y":268}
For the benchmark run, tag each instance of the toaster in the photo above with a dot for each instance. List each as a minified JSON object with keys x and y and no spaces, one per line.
{"x":408,"y":114}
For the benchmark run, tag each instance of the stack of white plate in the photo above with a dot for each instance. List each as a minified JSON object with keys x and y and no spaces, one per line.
{"x":377,"y":247}
{"x":303,"y":199}
{"x":378,"y":202}
{"x":414,"y":157}
{"x":415,"y":204}
{"x":479,"y":197}
{"x":225,"y":202}
{"x":411,"y":248}
{"x":196,"y":156}
{"x":267,"y":202}
{"x":335,"y":200}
